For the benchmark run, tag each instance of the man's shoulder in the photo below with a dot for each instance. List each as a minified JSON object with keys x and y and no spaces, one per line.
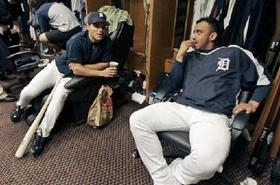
{"x":236,"y":48}
{"x":80,"y":37}
{"x":44,"y":8}
{"x":242,"y":51}
{"x":58,"y":7}
{"x":231,"y":50}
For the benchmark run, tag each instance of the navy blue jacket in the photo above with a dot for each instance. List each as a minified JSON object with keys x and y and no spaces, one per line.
{"x":81,"y":49}
{"x":212,"y":81}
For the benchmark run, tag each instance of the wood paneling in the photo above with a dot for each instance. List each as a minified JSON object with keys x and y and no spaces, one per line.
{"x":160,"y":38}
{"x":182,"y":22}
{"x":276,"y":140}
{"x":267,"y":112}
{"x":137,"y":12}
{"x":95,"y":5}
{"x":189,"y":19}
{"x":169,"y":62}
{"x":136,"y":61}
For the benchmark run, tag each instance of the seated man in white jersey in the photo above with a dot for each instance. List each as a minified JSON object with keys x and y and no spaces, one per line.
{"x":56,"y":21}
{"x":210,"y":78}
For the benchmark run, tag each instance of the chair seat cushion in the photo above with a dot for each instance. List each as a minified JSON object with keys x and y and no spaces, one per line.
{"x":178,"y":138}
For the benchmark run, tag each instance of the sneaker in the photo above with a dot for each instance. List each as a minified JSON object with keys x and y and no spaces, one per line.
{"x":16,"y":114}
{"x":8,"y":99}
{"x":38,"y":145}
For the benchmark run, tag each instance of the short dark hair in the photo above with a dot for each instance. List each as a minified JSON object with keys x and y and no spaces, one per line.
{"x":213,"y":23}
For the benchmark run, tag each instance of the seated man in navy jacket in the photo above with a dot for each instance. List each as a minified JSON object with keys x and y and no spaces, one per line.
{"x":88,"y":54}
{"x":211,"y":78}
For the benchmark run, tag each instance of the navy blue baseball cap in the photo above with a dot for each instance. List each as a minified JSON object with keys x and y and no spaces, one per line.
{"x":96,"y":17}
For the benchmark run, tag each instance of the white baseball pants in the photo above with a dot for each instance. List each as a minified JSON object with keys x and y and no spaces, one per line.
{"x":45,"y":79}
{"x":209,"y":138}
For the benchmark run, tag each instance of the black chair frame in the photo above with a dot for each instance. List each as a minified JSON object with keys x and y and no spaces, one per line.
{"x":20,"y":60}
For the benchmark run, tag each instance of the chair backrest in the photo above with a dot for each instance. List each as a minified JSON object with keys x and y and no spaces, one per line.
{"x":122,"y":39}
{"x":24,"y":61}
{"x":241,"y":120}
{"x":16,"y":58}
{"x":5,"y":66}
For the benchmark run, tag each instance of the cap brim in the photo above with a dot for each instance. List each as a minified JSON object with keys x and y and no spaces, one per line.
{"x":95,"y":22}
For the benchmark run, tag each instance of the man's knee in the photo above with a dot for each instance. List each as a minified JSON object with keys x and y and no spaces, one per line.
{"x":136,"y":120}
{"x":27,"y":92}
{"x":133,"y":120}
{"x":206,"y":163}
{"x":60,"y":94}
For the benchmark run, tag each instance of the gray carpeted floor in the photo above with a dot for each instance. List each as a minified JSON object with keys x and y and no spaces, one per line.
{"x":84,"y":155}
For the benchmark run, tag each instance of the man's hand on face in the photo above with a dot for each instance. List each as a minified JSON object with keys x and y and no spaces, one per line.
{"x":185,"y":45}
{"x":249,"y":107}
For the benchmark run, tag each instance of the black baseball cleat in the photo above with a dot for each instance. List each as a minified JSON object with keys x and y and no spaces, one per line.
{"x":38,"y":145}
{"x":16,"y":114}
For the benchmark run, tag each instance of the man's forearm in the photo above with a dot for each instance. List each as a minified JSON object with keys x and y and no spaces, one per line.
{"x":260,"y":92}
{"x":98,"y":66}
{"x":101,"y":71}
{"x":86,"y":71}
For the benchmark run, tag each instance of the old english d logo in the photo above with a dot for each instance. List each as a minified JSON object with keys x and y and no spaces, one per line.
{"x":223,"y":64}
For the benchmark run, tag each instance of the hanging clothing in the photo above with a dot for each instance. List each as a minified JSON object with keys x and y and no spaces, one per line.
{"x":249,"y":21}
{"x":219,"y":9}
{"x":234,"y":32}
{"x":202,"y":8}
{"x":75,"y":5}
{"x":229,"y":12}
{"x":114,"y":16}
{"x":261,"y":25}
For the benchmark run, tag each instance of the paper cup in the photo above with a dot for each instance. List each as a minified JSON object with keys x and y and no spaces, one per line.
{"x":114,"y":64}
